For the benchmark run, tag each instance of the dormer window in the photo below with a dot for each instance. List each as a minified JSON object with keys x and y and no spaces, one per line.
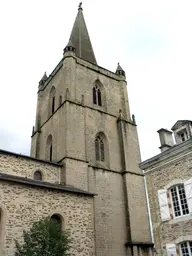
{"x":183,"y":135}
{"x":182,"y":130}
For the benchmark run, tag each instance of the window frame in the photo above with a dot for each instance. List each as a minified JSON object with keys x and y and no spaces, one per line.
{"x":184,"y":133}
{"x":179,"y":201}
{"x":53,"y":105}
{"x":99,"y":149}
{"x":51,"y":153}
{"x":97,"y":96}
{"x":189,"y":247}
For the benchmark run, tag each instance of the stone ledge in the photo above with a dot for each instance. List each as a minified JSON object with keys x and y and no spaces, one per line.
{"x":140,"y":244}
{"x":42,"y":184}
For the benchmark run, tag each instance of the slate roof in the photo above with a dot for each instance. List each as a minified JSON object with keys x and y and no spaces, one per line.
{"x":180,"y":123}
{"x":80,"y":39}
{"x":42,"y":184}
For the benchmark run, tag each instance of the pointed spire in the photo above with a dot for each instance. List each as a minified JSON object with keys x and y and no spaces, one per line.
{"x":80,"y":38}
{"x":43,"y":79}
{"x":69,"y":47}
{"x":119,"y":70}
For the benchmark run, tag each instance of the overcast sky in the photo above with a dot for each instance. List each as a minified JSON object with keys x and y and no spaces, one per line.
{"x":152,"y":40}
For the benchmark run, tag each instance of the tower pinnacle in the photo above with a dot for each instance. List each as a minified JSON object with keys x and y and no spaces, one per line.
{"x":119,"y":70}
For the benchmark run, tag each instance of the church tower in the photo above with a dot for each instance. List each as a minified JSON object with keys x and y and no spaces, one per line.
{"x":83,"y":122}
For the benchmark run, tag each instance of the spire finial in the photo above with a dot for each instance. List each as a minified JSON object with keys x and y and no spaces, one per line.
{"x":80,"y":6}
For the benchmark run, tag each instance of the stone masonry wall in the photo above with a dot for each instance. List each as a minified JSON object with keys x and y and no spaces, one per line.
{"x":161,"y":178}
{"x":24,"y":204}
{"x":25,"y":167}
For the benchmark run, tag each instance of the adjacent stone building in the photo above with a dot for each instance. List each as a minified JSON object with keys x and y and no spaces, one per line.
{"x":169,"y":185}
{"x":84,"y":160}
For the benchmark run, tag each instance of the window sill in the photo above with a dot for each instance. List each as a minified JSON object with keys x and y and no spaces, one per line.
{"x":179,"y":219}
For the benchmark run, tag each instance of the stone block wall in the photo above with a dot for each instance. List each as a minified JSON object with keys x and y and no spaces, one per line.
{"x":110,"y":214}
{"x":138,"y":213}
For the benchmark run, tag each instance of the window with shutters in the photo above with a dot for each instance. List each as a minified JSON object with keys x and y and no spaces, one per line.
{"x":171,"y":250}
{"x":99,"y":149}
{"x":179,"y":200}
{"x":164,"y":205}
{"x":185,"y":248}
{"x":176,"y":201}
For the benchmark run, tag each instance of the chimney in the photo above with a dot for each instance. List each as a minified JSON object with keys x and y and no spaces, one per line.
{"x":166,"y":139}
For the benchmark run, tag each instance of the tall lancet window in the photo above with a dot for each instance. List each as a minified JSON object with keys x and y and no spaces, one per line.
{"x":52,"y":94}
{"x":97,"y":96}
{"x":51,"y":153}
{"x":49,"y":148}
{"x":99,"y":149}
{"x":53,"y":105}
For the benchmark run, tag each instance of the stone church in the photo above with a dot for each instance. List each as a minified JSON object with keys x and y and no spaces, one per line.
{"x":83,"y":168}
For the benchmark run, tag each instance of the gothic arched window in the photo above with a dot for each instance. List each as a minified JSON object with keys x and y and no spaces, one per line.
{"x":99,"y":149}
{"x":49,"y":148}
{"x":97,"y":96}
{"x":38,"y":175}
{"x":52,"y":101}
{"x":53,"y":105}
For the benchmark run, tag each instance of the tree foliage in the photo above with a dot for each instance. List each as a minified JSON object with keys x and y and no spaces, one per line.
{"x":45,"y":238}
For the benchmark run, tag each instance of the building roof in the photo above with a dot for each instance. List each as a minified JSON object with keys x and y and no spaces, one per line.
{"x":42,"y":184}
{"x":180,"y":123}
{"x":178,"y":150}
{"x":4,"y":152}
{"x":80,"y":39}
